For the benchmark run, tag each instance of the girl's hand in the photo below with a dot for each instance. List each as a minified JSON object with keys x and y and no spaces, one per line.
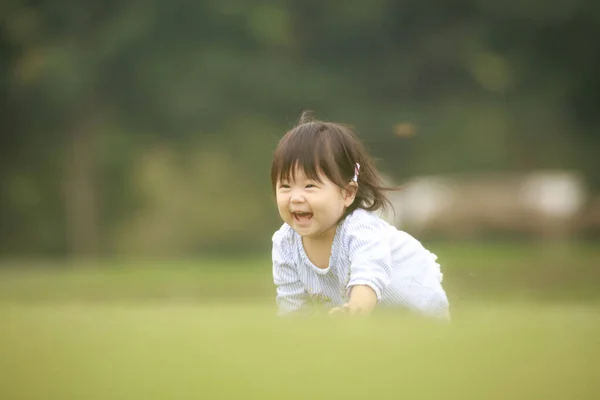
{"x":362,"y":301}
{"x":339,"y":310}
{"x":349,"y":308}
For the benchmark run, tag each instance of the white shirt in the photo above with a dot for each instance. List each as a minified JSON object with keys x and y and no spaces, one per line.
{"x":366,"y":250}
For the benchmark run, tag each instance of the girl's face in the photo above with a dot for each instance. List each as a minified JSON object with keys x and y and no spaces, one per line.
{"x":310,"y":207}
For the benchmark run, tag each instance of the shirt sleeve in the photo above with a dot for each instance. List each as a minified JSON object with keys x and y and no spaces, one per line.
{"x":291,"y":295}
{"x":370,"y":256}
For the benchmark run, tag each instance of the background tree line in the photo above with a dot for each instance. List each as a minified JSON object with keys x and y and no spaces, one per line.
{"x":146,"y":128}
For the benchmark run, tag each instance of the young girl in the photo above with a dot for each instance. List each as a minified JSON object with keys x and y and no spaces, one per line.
{"x":332,"y":250}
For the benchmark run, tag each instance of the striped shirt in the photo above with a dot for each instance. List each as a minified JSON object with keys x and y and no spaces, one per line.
{"x":366,"y":250}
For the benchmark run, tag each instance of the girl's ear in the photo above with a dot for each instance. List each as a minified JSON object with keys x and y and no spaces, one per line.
{"x":349,"y":193}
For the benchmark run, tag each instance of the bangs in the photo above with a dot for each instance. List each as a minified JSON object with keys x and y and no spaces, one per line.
{"x":309,"y":148}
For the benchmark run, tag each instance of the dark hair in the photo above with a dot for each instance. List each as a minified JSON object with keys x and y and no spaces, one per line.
{"x":332,"y":149}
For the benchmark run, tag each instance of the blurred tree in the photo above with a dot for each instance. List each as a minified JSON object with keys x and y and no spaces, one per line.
{"x":89,"y":89}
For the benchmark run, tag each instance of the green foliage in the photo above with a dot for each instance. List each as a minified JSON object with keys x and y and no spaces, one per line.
{"x":483,"y":84}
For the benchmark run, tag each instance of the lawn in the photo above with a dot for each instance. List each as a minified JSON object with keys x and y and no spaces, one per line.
{"x":189,"y":351}
{"x":526,"y":325}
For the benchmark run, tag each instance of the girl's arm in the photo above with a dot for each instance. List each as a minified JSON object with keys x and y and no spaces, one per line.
{"x":370,"y":258}
{"x":291,"y":294}
{"x":367,"y":244}
{"x":363,"y":299}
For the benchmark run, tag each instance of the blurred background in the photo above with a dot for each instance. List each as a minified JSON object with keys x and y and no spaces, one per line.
{"x":136,"y":141}
{"x":146,"y":128}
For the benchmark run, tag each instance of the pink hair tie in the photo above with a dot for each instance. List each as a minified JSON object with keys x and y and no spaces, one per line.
{"x":356,"y":170}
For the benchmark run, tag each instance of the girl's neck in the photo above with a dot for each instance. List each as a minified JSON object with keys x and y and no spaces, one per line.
{"x":323,"y":239}
{"x":318,"y":249}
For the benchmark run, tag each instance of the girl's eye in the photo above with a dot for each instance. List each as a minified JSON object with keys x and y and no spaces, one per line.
{"x":284,"y":186}
{"x":310,"y":185}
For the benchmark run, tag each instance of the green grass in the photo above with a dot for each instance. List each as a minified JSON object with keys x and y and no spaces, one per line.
{"x":198,"y":281}
{"x":526,"y":323}
{"x":190,"y":351}
{"x":471,"y":272}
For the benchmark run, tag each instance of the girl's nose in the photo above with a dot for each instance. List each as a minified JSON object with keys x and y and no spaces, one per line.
{"x":297,"y":198}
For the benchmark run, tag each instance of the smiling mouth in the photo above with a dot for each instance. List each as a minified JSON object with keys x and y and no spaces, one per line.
{"x":302,"y":216}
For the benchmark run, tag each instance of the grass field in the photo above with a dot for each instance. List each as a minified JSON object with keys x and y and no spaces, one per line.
{"x":526,"y":325}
